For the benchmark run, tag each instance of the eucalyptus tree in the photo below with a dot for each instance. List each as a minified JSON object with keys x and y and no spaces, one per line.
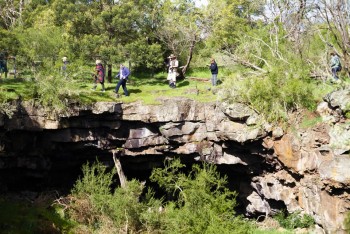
{"x":115,"y":31}
{"x":232,"y":23}
{"x":10,"y":12}
{"x":336,"y":15}
{"x":182,"y":28}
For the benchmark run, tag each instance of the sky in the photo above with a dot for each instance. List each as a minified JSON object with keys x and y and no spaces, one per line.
{"x":201,"y":3}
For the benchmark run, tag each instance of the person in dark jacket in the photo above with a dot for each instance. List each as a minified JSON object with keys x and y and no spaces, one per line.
{"x":123,"y":76}
{"x":3,"y":63}
{"x":99,"y":77}
{"x":214,"y":71}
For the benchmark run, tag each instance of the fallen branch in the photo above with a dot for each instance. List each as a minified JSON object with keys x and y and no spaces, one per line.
{"x":118,"y":166}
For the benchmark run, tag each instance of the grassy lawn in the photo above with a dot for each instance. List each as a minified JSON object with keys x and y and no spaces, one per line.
{"x":142,"y":87}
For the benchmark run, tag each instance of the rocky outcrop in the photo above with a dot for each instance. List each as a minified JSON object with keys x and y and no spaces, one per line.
{"x":300,"y":170}
{"x":318,"y":159}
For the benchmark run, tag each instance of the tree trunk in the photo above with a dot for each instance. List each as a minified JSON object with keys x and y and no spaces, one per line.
{"x":189,"y":58}
{"x":118,"y":166}
{"x":109,"y":73}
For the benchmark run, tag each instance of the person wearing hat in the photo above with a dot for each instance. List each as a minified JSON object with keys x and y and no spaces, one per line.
{"x":172,"y":72}
{"x":99,"y":76}
{"x":123,"y":76}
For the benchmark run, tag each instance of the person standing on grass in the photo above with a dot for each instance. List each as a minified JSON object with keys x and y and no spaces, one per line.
{"x":3,"y":64}
{"x":64,"y":66}
{"x":335,"y":65}
{"x":214,"y":72}
{"x":172,"y":71}
{"x":123,"y":76}
{"x":99,"y":76}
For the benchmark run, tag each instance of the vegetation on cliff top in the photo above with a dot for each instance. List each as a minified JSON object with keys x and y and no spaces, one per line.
{"x":275,"y":54}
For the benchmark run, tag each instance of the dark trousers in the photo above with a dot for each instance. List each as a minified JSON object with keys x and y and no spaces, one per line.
{"x":334,"y":72}
{"x":122,"y":83}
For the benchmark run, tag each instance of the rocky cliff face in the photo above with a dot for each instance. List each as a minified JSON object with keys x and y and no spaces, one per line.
{"x":301,"y":169}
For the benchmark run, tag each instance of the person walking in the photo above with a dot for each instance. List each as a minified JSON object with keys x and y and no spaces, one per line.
{"x":335,"y":65}
{"x":3,"y":64}
{"x":214,"y":71}
{"x":99,"y":76}
{"x":123,"y":76}
{"x":172,"y":71}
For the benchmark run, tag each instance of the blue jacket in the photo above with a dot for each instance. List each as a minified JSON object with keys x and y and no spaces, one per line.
{"x":123,"y":73}
{"x":335,"y":61}
{"x":214,"y":68}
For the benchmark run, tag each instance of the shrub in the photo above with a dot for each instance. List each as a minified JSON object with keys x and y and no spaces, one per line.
{"x":272,"y":96}
{"x":201,"y":202}
{"x":54,"y":91}
{"x":95,"y":206}
{"x":6,"y":108}
{"x":294,"y":220}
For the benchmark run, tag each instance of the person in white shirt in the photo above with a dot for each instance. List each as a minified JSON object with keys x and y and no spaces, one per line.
{"x":172,"y":71}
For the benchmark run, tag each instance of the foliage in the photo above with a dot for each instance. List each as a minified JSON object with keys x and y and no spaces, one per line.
{"x":294,"y":220}
{"x":20,"y":216}
{"x":310,"y":121}
{"x":8,"y":41}
{"x":6,"y":106}
{"x":144,"y":32}
{"x":203,"y":204}
{"x":271,"y":96}
{"x":54,"y":91}
{"x":347,"y":222}
{"x":149,"y":59}
{"x":95,"y":181}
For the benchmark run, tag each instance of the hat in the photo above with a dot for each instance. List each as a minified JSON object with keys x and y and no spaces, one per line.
{"x":98,"y":61}
{"x":64,"y":59}
{"x":172,"y":56}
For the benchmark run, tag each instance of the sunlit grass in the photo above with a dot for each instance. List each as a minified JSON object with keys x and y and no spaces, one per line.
{"x":141,"y":87}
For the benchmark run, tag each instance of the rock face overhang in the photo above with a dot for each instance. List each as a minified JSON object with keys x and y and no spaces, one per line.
{"x":301,"y":169}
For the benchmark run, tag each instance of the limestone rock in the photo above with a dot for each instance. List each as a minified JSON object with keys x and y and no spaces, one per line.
{"x":237,"y":111}
{"x":339,"y":98}
{"x":336,"y":169}
{"x":340,"y":138}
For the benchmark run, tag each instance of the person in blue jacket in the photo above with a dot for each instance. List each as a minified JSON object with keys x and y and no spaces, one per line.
{"x":123,"y":76}
{"x":335,"y":65}
{"x":214,"y":71}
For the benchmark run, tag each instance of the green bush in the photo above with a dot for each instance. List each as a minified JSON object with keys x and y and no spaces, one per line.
{"x":294,"y":220}
{"x":6,"y":107}
{"x":200,"y":203}
{"x":272,"y":96}
{"x":54,"y":91}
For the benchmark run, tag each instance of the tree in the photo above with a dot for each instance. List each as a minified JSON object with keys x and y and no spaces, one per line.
{"x":181,"y":28}
{"x":337,"y":16}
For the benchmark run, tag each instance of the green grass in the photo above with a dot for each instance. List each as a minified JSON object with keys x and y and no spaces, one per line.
{"x":141,"y":87}
{"x":310,"y":121}
{"x":271,"y":231}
